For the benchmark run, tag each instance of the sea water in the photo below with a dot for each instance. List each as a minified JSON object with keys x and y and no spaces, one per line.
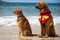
{"x":7,"y":18}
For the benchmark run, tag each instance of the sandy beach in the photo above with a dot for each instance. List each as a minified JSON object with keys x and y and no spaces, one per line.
{"x":11,"y":33}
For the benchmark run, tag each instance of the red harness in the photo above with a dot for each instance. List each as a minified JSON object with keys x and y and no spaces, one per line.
{"x":44,"y":16}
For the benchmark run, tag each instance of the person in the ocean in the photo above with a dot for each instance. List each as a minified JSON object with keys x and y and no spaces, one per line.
{"x":46,"y":20}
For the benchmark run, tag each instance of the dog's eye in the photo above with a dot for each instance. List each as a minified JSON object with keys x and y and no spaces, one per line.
{"x":17,"y":11}
{"x":40,"y":5}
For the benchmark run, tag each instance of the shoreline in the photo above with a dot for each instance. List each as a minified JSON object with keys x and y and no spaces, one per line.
{"x":11,"y":32}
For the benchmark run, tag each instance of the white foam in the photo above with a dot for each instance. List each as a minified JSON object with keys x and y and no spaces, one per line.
{"x":8,"y":20}
{"x":33,"y":20}
{"x":56,"y":19}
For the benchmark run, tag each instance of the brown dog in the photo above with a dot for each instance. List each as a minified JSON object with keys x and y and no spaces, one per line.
{"x":46,"y":20}
{"x":23,"y":23}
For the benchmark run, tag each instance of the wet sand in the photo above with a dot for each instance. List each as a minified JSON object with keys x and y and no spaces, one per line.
{"x":11,"y":33}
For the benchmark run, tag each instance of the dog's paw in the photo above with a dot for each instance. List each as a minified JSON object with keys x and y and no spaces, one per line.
{"x":27,"y":33}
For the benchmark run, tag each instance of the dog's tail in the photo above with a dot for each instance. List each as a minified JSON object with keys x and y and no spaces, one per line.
{"x":35,"y":34}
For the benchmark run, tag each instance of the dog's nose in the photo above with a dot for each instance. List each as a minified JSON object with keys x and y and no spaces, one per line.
{"x":37,"y":7}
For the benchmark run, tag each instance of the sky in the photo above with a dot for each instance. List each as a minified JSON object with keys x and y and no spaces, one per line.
{"x":35,"y":1}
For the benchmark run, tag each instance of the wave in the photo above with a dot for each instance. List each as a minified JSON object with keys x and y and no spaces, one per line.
{"x":33,"y":20}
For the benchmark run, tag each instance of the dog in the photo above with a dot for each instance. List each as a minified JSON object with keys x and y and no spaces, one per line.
{"x":45,"y":19}
{"x":23,"y":24}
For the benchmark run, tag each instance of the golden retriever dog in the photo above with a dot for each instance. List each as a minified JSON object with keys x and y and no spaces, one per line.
{"x":46,"y":20}
{"x":23,"y":24}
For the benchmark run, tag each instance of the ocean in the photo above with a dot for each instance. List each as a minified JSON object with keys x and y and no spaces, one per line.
{"x":7,"y":17}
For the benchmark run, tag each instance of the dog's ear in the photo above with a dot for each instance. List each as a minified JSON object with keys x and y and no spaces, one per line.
{"x":45,"y":6}
{"x":17,"y":11}
{"x":14,"y":11}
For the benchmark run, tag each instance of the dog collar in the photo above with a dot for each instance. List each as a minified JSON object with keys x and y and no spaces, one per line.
{"x":20,"y":16}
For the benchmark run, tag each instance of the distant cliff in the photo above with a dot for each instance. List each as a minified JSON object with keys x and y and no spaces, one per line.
{"x":2,"y":2}
{"x":14,"y":4}
{"x":22,"y":4}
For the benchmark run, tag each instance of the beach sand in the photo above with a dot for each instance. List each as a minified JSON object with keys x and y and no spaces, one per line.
{"x":11,"y":33}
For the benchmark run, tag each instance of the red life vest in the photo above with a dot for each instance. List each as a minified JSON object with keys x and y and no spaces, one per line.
{"x":44,"y":16}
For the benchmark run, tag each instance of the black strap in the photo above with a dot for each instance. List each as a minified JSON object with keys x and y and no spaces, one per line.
{"x":20,"y":16}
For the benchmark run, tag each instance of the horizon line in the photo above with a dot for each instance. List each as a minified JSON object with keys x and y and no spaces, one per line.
{"x":24,"y":2}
